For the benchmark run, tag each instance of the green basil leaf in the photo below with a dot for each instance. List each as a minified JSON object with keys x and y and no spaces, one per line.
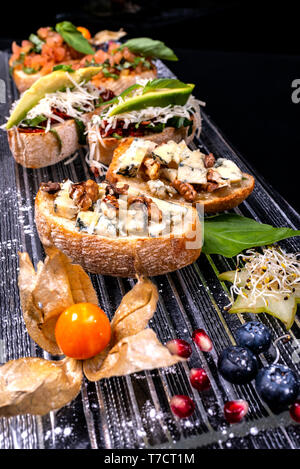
{"x":37,"y":42}
{"x":64,"y":68}
{"x":29,"y":70}
{"x":80,"y":127}
{"x":54,"y":132}
{"x":34,"y":122}
{"x":117,"y":136}
{"x":150,"y":48}
{"x":163,"y":83}
{"x":228,"y":234}
{"x":107,"y":74}
{"x":74,"y":38}
{"x":157,"y":128}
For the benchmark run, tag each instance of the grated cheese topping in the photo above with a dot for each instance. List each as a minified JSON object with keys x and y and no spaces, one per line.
{"x":268,"y":274}
{"x":154,"y":114}
{"x":73,"y":102}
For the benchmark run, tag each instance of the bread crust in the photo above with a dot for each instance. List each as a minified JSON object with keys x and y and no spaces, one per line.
{"x":24,"y":81}
{"x":222,"y":199}
{"x":123,"y":257}
{"x":37,"y":150}
{"x":104,"y":152}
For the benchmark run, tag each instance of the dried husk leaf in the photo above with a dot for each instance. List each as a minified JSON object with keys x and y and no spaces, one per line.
{"x":138,"y":352}
{"x":136,"y":309}
{"x":106,"y":35}
{"x":132,"y":348}
{"x":132,"y":316}
{"x":37,"y":386}
{"x":44,"y":295}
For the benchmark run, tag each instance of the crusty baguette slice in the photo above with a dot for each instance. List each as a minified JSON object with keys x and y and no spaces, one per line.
{"x":120,"y":256}
{"x":40,"y":149}
{"x":103,"y":152}
{"x":217,"y":201}
{"x":24,"y":81}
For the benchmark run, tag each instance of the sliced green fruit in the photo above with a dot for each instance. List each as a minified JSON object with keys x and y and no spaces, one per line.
{"x":160,"y":97}
{"x":55,"y":81}
{"x":282,"y":309}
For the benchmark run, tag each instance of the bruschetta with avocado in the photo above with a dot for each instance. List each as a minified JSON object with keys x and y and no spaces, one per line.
{"x":47,"y":123}
{"x":158,"y":110}
{"x":111,"y":230}
{"x":171,"y":171}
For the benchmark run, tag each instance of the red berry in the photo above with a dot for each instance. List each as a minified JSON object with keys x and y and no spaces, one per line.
{"x":235,"y":411}
{"x":182,"y":406}
{"x":179,"y":347}
{"x":202,"y":340}
{"x":199,"y":379}
{"x":295,"y":411}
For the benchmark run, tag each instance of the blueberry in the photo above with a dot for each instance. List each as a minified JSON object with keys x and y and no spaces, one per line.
{"x":255,"y":336}
{"x":278,"y":386}
{"x":238,"y":365}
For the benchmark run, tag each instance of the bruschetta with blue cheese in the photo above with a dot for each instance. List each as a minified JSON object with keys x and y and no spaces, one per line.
{"x":113,"y":230}
{"x":172,"y":171}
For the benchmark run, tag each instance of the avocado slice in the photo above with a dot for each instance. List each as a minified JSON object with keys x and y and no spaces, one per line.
{"x":48,"y":84}
{"x":161,"y":97}
{"x":279,"y":306}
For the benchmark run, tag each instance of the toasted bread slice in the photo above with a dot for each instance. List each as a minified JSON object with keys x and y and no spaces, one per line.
{"x":24,"y":81}
{"x":102,"y":151}
{"x":120,"y":256}
{"x":40,"y":149}
{"x":224,"y":198}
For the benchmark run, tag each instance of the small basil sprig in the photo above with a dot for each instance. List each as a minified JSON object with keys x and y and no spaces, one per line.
{"x":29,"y":70}
{"x":37,"y":43}
{"x":228,"y":234}
{"x":64,"y":68}
{"x":35,"y":121}
{"x":74,"y":38}
{"x":149,"y":48}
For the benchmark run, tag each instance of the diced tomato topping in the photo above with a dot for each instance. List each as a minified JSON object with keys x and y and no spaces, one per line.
{"x":30,"y":130}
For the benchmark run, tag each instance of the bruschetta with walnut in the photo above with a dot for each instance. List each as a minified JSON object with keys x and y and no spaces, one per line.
{"x":171,"y":171}
{"x":111,"y":230}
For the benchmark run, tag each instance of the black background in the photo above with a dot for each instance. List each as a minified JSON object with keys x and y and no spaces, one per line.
{"x":242,"y":56}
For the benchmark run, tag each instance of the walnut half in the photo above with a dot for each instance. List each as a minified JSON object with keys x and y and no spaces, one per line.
{"x":84,"y":194}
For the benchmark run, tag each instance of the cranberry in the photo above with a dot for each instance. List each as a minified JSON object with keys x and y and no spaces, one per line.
{"x":182,"y":406}
{"x":199,"y":379}
{"x":179,"y":347}
{"x":235,"y":411}
{"x":202,"y":340}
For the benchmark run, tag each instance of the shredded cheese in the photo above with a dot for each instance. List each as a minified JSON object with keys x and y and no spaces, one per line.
{"x":154,"y":114}
{"x":73,"y":102}
{"x":268,"y":274}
